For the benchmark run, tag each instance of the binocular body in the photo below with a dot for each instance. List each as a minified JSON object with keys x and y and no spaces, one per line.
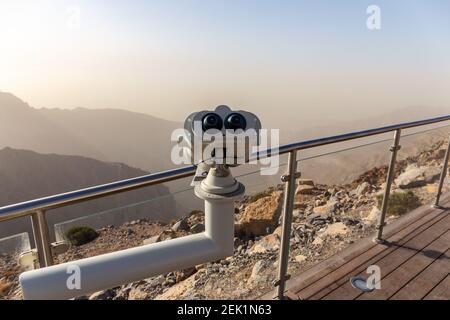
{"x":222,"y":136}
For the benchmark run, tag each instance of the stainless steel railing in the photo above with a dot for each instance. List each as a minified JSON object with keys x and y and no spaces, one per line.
{"x":38,"y":208}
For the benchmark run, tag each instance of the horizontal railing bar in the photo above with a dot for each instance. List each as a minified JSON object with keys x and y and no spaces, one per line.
{"x":320,"y":155}
{"x":52,"y":202}
{"x":324,"y":154}
{"x":308,"y":144}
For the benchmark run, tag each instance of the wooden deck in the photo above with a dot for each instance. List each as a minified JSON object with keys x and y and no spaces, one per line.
{"x":414,"y":263}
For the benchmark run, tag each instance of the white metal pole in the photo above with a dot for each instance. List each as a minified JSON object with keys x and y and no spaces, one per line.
{"x":126,"y":266}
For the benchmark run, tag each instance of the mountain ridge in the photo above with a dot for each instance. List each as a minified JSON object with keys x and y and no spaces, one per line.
{"x":112,"y":135}
{"x":27,"y":175}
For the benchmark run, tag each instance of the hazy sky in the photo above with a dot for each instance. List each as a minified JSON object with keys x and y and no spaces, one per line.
{"x":309,"y":59}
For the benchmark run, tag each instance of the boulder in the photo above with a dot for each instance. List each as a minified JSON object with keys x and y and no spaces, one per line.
{"x":414,"y":177}
{"x":297,"y":213}
{"x":432,"y":174}
{"x":102,"y":295}
{"x":362,"y":189}
{"x":317,"y":220}
{"x":306,"y":182}
{"x":261,"y":216}
{"x":5,"y":286}
{"x":336,"y":229}
{"x":60,"y":247}
{"x":155,"y":281}
{"x":256,"y":271}
{"x":181,"y":225}
{"x":151,"y":240}
{"x":196,"y":216}
{"x":326,"y":209}
{"x":304,"y":189}
{"x":197,"y":228}
{"x":305,"y":186}
{"x":268,"y":243}
{"x":201,"y":266}
{"x":432,"y":189}
{"x":300,"y":258}
{"x":186,"y":273}
{"x":178,"y":291}
{"x":137,"y":294}
{"x":372,"y":217}
{"x":318,"y":241}
{"x":278,"y":231}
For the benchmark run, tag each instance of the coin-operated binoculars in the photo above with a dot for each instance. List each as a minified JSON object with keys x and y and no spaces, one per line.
{"x":217,"y":140}
{"x":220,"y":138}
{"x":213,"y":139}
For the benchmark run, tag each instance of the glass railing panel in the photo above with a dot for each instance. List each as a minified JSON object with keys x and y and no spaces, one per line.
{"x":342,"y":211}
{"x":15,"y":244}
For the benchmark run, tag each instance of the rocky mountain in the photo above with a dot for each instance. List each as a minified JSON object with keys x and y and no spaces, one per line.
{"x":143,"y":141}
{"x":27,"y":175}
{"x":138,"y":140}
{"x":326,"y":219}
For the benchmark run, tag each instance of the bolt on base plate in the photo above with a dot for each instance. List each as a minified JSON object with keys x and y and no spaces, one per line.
{"x":379,"y":241}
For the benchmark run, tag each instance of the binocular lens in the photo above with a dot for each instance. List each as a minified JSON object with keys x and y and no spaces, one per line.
{"x":212,"y":121}
{"x":235,"y":121}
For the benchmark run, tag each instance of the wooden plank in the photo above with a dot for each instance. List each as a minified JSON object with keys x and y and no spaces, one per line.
{"x":412,"y":267}
{"x":339,"y":275}
{"x":322,"y":270}
{"x":391,"y":261}
{"x":421,"y":285}
{"x":441,"y":291}
{"x":394,"y":259}
{"x":359,"y":265}
{"x":393,"y":232}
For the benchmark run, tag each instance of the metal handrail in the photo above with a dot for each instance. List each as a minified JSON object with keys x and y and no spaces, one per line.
{"x":308,"y":144}
{"x":52,"y":202}
{"x":37,"y":208}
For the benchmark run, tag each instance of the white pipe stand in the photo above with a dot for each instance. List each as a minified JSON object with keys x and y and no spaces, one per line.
{"x":219,"y":190}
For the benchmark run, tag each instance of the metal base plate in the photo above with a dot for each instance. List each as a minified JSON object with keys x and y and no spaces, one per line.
{"x":360,"y":284}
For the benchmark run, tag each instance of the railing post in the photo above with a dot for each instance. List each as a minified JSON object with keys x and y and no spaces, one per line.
{"x":42,"y":238}
{"x":288,"y":207}
{"x":443,"y":176}
{"x":390,"y":178}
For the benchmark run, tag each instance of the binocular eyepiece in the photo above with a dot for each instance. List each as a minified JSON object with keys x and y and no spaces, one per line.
{"x":222,"y":136}
{"x":233,"y":121}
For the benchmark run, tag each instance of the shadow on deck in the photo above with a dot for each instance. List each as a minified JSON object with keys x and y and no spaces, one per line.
{"x":414,"y":262}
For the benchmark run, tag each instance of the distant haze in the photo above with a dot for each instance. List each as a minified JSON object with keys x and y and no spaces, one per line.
{"x":139,"y":140}
{"x":295,"y":63}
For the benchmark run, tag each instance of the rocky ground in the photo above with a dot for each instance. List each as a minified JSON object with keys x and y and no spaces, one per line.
{"x":326,"y":220}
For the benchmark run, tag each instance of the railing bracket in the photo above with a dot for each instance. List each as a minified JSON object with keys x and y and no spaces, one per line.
{"x":380,"y":241}
{"x":286,"y":177}
{"x":394,"y":148}
{"x":378,"y":227}
{"x":276,"y":282}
